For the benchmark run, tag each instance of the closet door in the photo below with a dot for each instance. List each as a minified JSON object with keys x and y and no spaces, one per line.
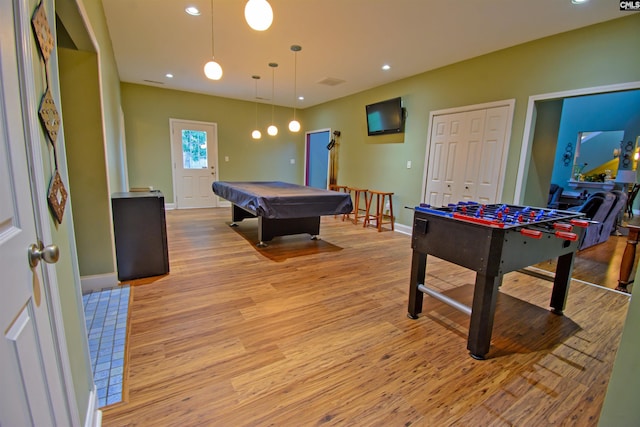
{"x":444,"y":154}
{"x":474,"y":125}
{"x":492,"y":156}
{"x":466,"y":156}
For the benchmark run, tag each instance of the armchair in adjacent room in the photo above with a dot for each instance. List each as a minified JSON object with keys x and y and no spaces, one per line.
{"x":603,"y":210}
{"x":555,"y":192}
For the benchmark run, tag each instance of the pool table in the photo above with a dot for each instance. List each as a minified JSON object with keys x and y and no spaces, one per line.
{"x":282,"y":208}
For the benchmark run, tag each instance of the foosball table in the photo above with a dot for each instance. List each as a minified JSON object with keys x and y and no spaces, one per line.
{"x":492,"y":240}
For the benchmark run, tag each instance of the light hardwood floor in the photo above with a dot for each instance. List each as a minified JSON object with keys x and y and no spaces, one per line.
{"x":306,"y":333}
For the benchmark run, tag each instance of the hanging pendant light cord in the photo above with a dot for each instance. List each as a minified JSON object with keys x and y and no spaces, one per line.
{"x":212,"y":39}
{"x":295,"y":82}
{"x":256,"y":97}
{"x":273,"y":85}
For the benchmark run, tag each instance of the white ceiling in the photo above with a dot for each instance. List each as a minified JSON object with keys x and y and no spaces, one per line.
{"x":348,"y":40}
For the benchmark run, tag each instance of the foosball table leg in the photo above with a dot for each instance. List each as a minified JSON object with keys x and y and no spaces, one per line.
{"x":485,"y":295}
{"x":561,"y":283}
{"x":418,"y":272}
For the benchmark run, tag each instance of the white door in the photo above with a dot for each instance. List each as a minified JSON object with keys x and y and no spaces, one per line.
{"x":467,"y":154}
{"x":493,"y":155}
{"x":31,"y":391}
{"x":195,"y":160}
{"x":471,"y":148}
{"x":446,"y":141}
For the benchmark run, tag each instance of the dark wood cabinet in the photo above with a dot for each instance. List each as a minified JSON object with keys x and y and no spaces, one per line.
{"x":140,"y":234}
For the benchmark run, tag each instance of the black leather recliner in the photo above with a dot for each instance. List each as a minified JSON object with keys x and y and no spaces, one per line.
{"x":555,"y":191}
{"x":603,"y":209}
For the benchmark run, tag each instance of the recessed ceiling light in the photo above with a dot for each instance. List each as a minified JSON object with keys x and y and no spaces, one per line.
{"x":192,"y":10}
{"x":579,"y":1}
{"x":169,"y":75}
{"x":386,"y":67}
{"x":301,"y":98}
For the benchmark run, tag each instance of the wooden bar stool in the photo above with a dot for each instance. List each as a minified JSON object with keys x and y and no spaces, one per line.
{"x":357,"y":211}
{"x":339,"y":188}
{"x":379,"y":214}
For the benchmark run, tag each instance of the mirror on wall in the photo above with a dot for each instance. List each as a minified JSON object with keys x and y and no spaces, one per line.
{"x":596,"y":155}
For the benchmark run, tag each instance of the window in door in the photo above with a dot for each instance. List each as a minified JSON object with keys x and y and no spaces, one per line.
{"x":194,"y":149}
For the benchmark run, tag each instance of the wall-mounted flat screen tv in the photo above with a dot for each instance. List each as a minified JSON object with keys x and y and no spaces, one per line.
{"x":385,"y":117}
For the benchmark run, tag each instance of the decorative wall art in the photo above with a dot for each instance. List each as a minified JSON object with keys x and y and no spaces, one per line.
{"x":48,"y":112}
{"x":57,"y":196}
{"x":567,"y":157}
{"x":627,"y":154}
{"x":49,"y":116}
{"x":40,"y":26}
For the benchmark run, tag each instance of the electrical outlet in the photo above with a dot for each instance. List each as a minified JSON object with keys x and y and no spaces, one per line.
{"x":226,"y":158}
{"x":292,"y":161}
{"x":408,"y":164}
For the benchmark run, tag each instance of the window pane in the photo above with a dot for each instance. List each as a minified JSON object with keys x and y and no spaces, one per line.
{"x":194,"y":149}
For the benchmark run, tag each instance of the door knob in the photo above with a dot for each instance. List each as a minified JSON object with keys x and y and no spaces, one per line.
{"x":48,"y":254}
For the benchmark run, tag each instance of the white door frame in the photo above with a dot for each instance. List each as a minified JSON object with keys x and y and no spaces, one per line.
{"x":529,"y":125}
{"x":213,"y":149}
{"x":503,"y":164}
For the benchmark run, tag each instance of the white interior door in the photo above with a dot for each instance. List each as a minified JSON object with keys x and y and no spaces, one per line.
{"x":31,"y":391}
{"x":471,"y":149}
{"x":467,"y":155}
{"x":195,"y":159}
{"x":446,"y":140}
{"x":493,"y":155}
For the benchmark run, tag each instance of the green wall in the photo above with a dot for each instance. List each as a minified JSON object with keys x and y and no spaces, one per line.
{"x":543,"y":150}
{"x":621,"y":407}
{"x":110,"y":96}
{"x":80,"y":94}
{"x":147,"y":113}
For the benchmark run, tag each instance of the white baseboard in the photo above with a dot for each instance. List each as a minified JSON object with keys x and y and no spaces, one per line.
{"x":404,"y":229}
{"x":98,"y":282}
{"x":172,"y":206}
{"x":94,"y":415}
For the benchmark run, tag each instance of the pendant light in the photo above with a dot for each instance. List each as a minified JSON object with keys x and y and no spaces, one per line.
{"x":256,"y":133}
{"x":294,"y":125}
{"x":258,"y":14}
{"x":272,"y":130}
{"x":212,"y":69}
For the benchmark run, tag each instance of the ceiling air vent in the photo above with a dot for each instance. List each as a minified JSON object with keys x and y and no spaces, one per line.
{"x":154,"y":82}
{"x":331,"y":81}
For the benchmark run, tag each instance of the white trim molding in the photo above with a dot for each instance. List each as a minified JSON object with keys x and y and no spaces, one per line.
{"x":98,"y":282}
{"x":94,"y":415}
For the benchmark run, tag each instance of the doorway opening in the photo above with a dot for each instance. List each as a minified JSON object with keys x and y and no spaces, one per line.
{"x":601,"y":262}
{"x":316,"y":167}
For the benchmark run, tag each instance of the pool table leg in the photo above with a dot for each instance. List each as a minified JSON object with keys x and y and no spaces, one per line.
{"x":269,"y":228}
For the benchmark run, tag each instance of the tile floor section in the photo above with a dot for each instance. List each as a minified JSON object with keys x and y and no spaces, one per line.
{"x":106,"y":317}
